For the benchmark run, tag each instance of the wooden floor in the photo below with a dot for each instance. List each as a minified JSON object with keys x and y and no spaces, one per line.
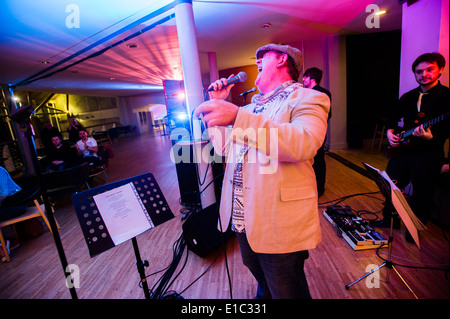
{"x":35,"y":270}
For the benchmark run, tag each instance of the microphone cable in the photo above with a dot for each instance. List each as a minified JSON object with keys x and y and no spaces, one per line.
{"x":159,"y":291}
{"x":186,"y":211}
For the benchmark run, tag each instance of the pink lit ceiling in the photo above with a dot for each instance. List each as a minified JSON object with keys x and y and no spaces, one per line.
{"x":32,"y":32}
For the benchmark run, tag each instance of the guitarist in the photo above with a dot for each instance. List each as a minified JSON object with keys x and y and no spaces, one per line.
{"x":420,"y":162}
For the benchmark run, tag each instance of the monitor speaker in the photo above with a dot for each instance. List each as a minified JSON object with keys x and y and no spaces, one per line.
{"x":186,"y":173}
{"x":201,"y":233}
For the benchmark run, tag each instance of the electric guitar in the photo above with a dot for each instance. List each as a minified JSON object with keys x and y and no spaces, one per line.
{"x":405,"y":135}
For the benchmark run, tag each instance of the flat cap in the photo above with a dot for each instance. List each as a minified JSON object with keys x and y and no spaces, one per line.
{"x":294,"y":53}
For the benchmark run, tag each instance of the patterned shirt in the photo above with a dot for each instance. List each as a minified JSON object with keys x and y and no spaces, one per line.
{"x":269,"y":105}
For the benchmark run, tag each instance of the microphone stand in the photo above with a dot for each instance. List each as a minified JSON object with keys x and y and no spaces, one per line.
{"x":22,"y":117}
{"x":245,"y":98}
{"x":386,"y":189}
{"x":247,"y":93}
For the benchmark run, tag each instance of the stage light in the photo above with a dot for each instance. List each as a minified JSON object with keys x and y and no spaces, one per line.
{"x":182,"y":116}
{"x":381,"y":12}
{"x":132,"y":45}
{"x":181,"y":96}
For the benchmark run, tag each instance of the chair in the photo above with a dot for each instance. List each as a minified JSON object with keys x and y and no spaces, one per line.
{"x":67,"y":182}
{"x":30,"y":191}
{"x":102,"y":138}
{"x":32,"y":212}
{"x":155,"y":126}
{"x":95,"y":170}
{"x":165,"y":126}
{"x":114,"y":133}
{"x":380,"y":128}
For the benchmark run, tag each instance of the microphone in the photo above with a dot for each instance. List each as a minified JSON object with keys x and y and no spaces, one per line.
{"x":241,"y":77}
{"x":247,"y":92}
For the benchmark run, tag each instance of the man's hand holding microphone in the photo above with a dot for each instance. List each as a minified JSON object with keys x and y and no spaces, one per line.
{"x":217,"y":111}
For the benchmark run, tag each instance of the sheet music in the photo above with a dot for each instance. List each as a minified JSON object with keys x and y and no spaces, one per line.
{"x":412,"y":223}
{"x":375,"y":169}
{"x":123,"y":212}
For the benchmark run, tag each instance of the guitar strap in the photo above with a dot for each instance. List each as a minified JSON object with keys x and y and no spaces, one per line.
{"x":428,"y":103}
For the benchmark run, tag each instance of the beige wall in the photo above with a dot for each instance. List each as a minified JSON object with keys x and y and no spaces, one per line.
{"x":329,"y":55}
{"x":424,"y":29}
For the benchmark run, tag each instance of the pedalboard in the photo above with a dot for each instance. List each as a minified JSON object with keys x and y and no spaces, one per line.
{"x":356,"y":231}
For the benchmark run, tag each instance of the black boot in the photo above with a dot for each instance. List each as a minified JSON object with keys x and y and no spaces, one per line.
{"x":387,"y":214}
{"x":408,"y":237}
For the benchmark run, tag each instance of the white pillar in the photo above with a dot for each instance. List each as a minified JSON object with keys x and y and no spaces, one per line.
{"x":190,"y":61}
{"x":213,"y":71}
{"x":336,"y":75}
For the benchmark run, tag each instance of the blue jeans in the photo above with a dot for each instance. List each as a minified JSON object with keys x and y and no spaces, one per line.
{"x":279,"y":276}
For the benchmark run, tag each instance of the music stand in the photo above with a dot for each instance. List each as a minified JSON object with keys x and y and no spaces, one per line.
{"x":392,"y":193}
{"x":114,"y":213}
{"x":22,"y":117}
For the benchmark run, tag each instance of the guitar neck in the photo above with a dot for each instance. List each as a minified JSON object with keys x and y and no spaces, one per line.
{"x":427,"y":124}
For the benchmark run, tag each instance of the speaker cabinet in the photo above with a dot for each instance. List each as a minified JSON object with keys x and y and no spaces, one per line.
{"x":201,"y":231}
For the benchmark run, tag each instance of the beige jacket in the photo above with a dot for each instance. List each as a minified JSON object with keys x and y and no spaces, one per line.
{"x":280,"y":193}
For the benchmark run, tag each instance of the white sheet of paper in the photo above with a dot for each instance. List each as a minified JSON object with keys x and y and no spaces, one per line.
{"x":412,"y":223}
{"x":123,"y":213}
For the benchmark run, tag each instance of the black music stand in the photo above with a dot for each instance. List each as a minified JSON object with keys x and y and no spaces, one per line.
{"x":22,"y":117}
{"x":92,"y":219}
{"x":393,"y":194}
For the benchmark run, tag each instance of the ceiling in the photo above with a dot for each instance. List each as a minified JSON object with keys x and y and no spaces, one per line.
{"x":38,"y":35}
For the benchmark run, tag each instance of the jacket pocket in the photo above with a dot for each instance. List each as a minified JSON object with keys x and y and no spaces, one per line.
{"x":297,"y":193}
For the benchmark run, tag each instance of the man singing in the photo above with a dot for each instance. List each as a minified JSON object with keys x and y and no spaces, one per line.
{"x":269,"y":193}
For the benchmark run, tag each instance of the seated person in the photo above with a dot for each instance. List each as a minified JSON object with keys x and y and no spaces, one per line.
{"x":46,"y":134}
{"x":87,"y":148}
{"x":7,"y":185}
{"x":60,"y":155}
{"x":7,"y":188}
{"x":74,"y":130}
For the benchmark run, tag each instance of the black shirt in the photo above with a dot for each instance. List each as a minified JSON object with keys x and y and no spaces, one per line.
{"x":65,"y":153}
{"x":434,"y":103}
{"x":317,"y":87}
{"x":46,"y":136}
